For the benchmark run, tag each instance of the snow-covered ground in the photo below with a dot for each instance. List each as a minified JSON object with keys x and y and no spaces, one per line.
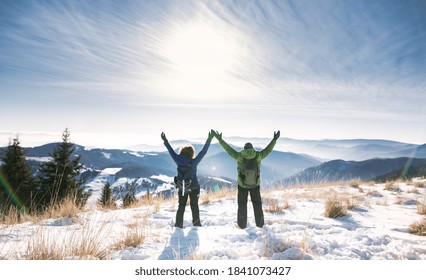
{"x":377,"y":228}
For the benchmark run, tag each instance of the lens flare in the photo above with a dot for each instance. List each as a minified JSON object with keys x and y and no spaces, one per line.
{"x":10,"y":193}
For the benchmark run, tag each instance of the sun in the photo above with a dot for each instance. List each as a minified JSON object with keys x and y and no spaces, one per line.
{"x":202,"y":60}
{"x":200,"y":49}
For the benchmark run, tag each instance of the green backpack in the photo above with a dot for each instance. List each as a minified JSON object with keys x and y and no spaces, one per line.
{"x":250,"y":172}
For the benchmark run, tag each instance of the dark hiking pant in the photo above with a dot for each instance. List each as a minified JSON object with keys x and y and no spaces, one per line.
{"x":193,"y":200}
{"x":256,"y":200}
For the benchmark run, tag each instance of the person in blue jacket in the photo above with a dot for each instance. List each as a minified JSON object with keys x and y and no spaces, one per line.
{"x":183,"y":159}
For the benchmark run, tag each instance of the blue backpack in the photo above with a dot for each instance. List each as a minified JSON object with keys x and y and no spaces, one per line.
{"x":183,"y":180}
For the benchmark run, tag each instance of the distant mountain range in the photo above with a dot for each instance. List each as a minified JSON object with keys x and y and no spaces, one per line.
{"x":216,"y":163}
{"x":291,"y":161}
{"x":354,"y":149}
{"x":323,"y":150}
{"x":373,"y":169}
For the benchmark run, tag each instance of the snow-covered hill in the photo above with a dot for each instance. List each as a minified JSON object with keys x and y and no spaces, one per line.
{"x":377,"y":227}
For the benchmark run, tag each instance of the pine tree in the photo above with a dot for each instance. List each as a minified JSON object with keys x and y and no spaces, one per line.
{"x":18,"y":187}
{"x":106,"y":199}
{"x":129,"y":197}
{"x":58,"y":176}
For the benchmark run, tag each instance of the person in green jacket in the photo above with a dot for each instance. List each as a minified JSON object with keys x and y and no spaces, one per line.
{"x":245,"y":188}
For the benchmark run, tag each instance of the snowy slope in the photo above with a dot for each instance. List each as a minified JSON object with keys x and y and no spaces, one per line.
{"x":377,"y":228}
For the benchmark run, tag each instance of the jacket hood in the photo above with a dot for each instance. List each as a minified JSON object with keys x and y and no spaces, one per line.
{"x":248,"y":153}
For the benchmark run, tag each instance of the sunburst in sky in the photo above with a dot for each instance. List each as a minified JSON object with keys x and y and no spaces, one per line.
{"x":118,"y":73}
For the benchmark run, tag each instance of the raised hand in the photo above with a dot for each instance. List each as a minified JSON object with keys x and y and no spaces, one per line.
{"x":211,"y":134}
{"x":276,"y":135}
{"x":218,"y":135}
{"x":163,"y":136}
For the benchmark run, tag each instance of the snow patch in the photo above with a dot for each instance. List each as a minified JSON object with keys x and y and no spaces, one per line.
{"x":220,"y":180}
{"x":163,"y":178}
{"x":39,"y":159}
{"x":106,"y":155}
{"x":377,"y":229}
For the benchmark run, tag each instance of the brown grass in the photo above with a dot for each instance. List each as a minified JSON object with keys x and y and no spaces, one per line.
{"x":420,"y":184}
{"x":155,"y":201}
{"x":414,"y":190}
{"x":399,"y":200}
{"x":14,"y":216}
{"x":418,"y":228}
{"x":354,"y":184}
{"x":83,"y":243}
{"x":392,"y":186}
{"x":66,"y":209}
{"x":217,"y":195}
{"x":374,"y":193}
{"x":274,"y":205}
{"x":421,"y":205}
{"x":107,"y":207}
{"x":44,"y":247}
{"x":335,"y":207}
{"x":134,"y":236}
{"x":351,"y":202}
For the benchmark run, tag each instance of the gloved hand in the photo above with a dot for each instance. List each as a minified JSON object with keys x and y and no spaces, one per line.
{"x":218,"y":135}
{"x":276,"y":135}
{"x":163,"y":136}
{"x":211,"y":135}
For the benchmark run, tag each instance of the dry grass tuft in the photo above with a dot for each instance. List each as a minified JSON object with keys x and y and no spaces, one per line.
{"x":217,"y":195}
{"x":273,"y":205}
{"x":13,"y":216}
{"x":83,"y":243}
{"x":134,"y":236}
{"x":351,"y":202}
{"x":149,"y":200}
{"x":392,"y":186}
{"x":399,"y":200}
{"x":420,"y":184}
{"x":205,"y":199}
{"x":418,"y":228}
{"x":45,"y":247}
{"x":414,"y":190}
{"x":68,"y":208}
{"x":421,"y":205}
{"x":107,"y":207}
{"x":335,"y":207}
{"x":374,"y":193}
{"x":355,"y":184}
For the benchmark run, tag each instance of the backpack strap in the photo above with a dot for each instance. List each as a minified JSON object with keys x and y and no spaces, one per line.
{"x":183,"y":180}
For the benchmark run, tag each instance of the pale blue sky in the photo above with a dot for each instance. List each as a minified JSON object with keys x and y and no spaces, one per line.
{"x":128,"y":70}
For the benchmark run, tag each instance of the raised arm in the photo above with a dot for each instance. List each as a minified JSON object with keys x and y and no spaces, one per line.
{"x":169,"y":148}
{"x":265,"y":152}
{"x":233,"y":153}
{"x":203,"y":152}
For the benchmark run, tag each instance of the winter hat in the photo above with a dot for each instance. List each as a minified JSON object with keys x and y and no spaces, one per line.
{"x":248,"y":146}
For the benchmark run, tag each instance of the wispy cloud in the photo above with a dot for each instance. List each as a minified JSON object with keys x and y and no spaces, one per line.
{"x":359,"y":59}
